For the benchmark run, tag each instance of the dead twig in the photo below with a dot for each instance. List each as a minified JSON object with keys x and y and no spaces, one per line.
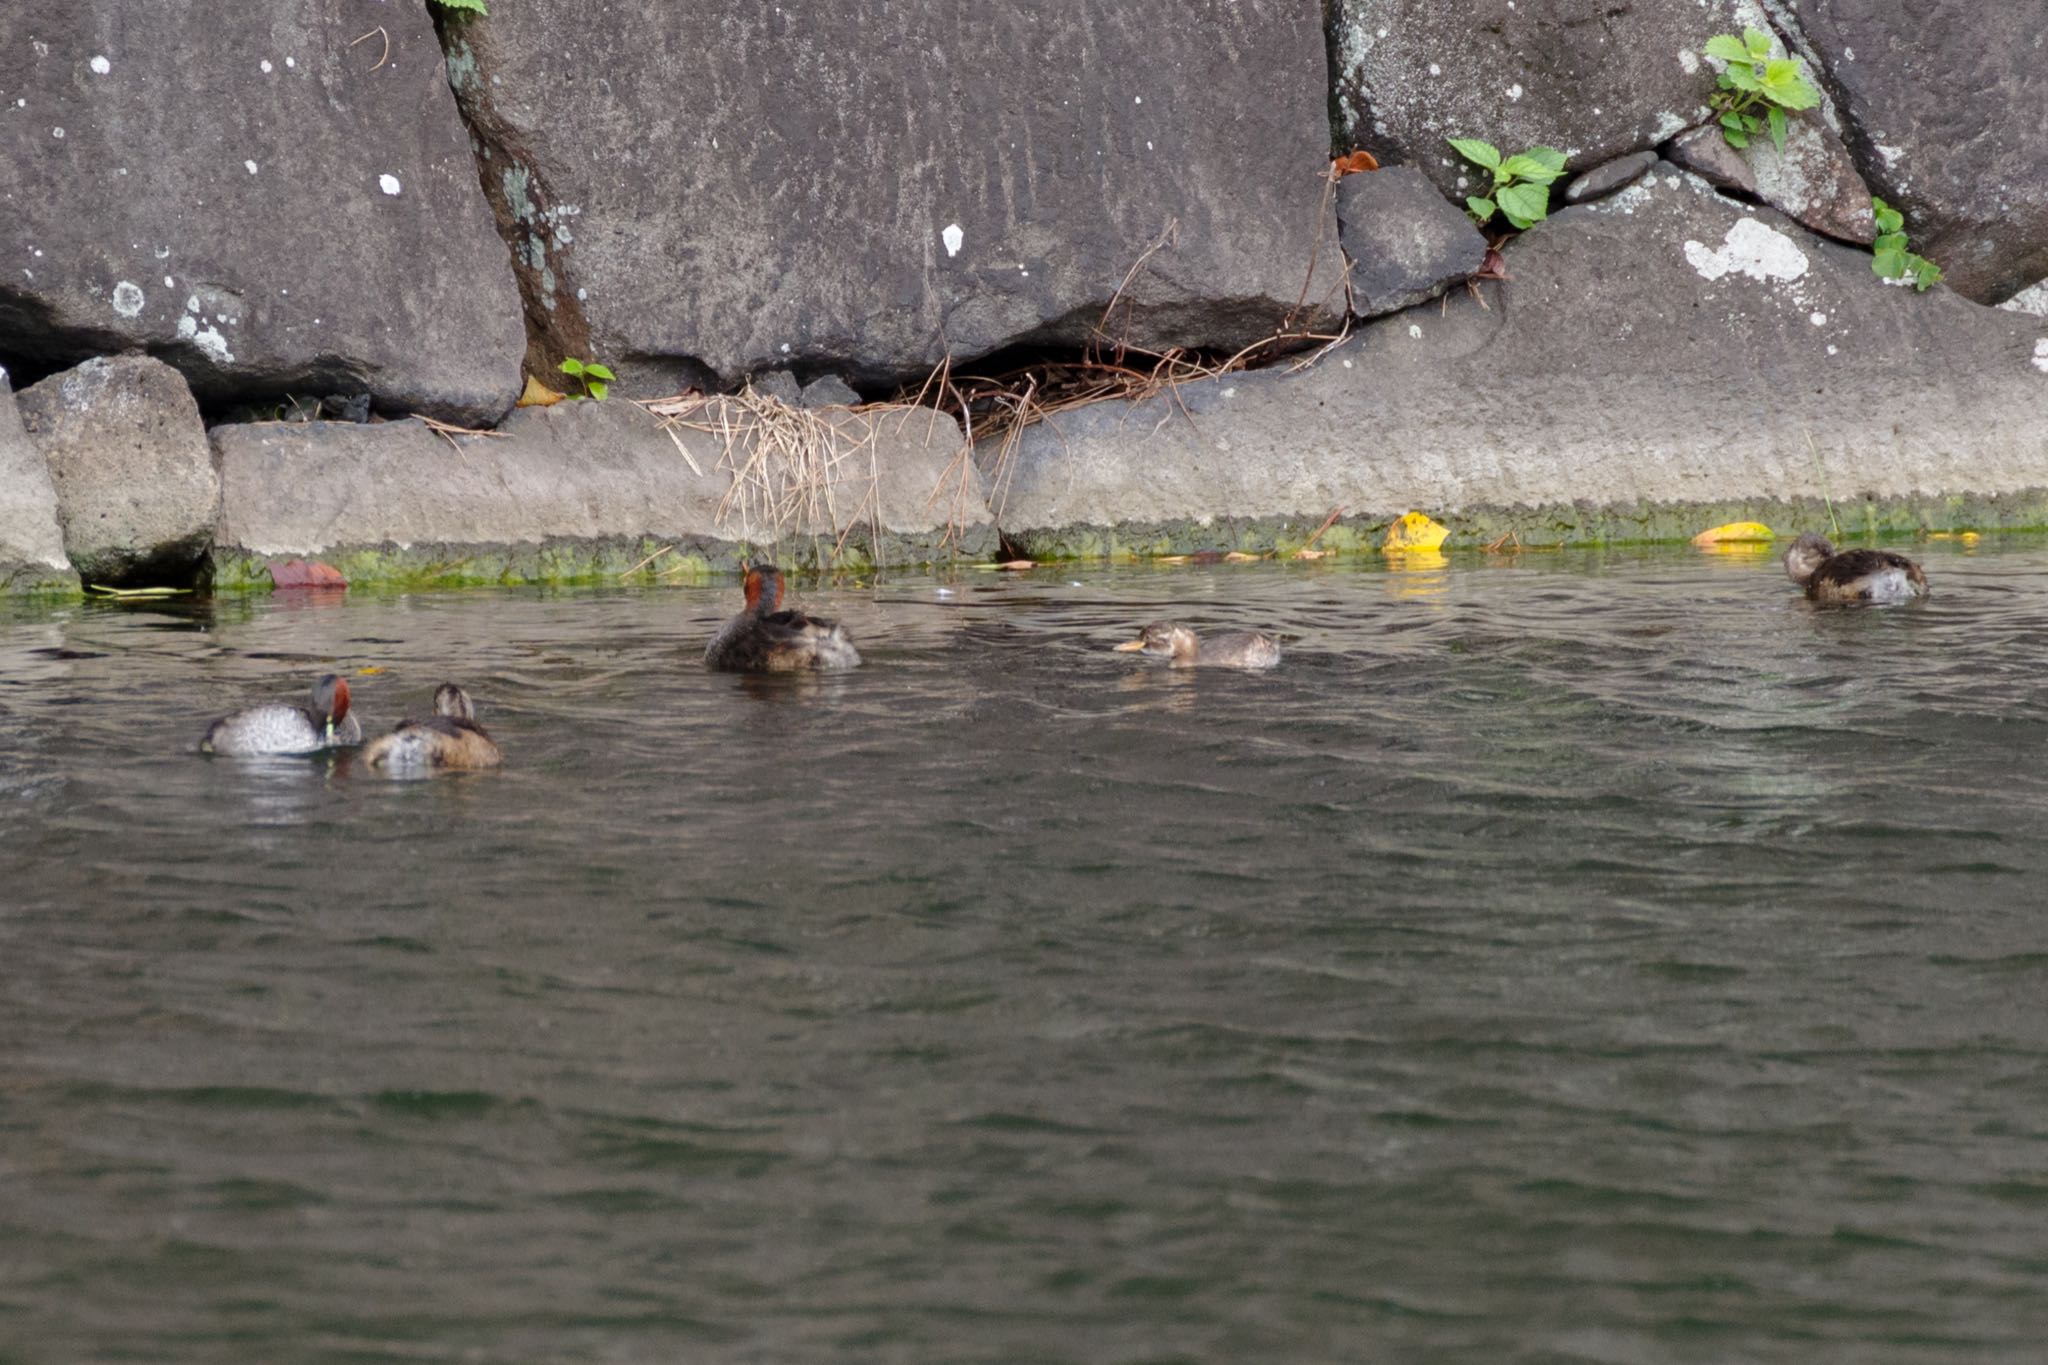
{"x":373,"y":33}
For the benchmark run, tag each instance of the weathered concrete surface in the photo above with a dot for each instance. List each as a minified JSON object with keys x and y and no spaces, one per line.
{"x":1594,"y":80}
{"x":264,"y":204}
{"x":1660,"y":349}
{"x":31,"y":542}
{"x":585,"y":490}
{"x":865,"y":187}
{"x":1946,"y":107}
{"x":1813,"y":181}
{"x":1404,"y":241}
{"x":128,"y":455}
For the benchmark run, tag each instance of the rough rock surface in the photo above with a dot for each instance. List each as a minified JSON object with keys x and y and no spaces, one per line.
{"x":577,"y":490}
{"x":1946,"y":107}
{"x":865,"y":187}
{"x":1593,"y":79}
{"x":263,"y":204}
{"x":127,"y":452}
{"x":1609,"y":177}
{"x":1404,"y":241}
{"x":1813,"y":180}
{"x":1664,"y":346}
{"x":31,"y":542}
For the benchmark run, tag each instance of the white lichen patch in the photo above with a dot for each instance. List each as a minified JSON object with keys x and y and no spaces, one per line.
{"x":100,"y":66}
{"x":1762,"y":253}
{"x":249,"y":166}
{"x":209,"y":340}
{"x":1415,"y":331}
{"x":128,"y":299}
{"x":2041,"y":355}
{"x":388,"y":184}
{"x":1818,"y":319}
{"x":2032,"y":301}
{"x":1689,"y":60}
{"x":952,"y":235}
{"x":265,"y":67}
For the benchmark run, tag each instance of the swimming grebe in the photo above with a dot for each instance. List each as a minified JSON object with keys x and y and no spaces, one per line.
{"x":450,"y":738}
{"x":762,"y":639}
{"x":1185,"y":649}
{"x":1829,"y":575}
{"x":275,"y":728}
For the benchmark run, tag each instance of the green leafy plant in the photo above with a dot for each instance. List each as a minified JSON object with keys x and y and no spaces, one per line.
{"x":1521,"y":184}
{"x":1755,"y":80}
{"x":464,"y":6}
{"x":1892,"y":260}
{"x":596,"y":379}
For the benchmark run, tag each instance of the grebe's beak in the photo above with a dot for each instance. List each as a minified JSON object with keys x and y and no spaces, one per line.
{"x":1129,"y":646}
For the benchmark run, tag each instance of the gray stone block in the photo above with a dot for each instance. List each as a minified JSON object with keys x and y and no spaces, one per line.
{"x":1404,"y":240}
{"x":1945,"y":104}
{"x":256,"y":200}
{"x":128,"y":455}
{"x":587,"y":476}
{"x":1813,"y":180}
{"x":1609,"y":177}
{"x":1663,"y":346}
{"x":31,"y":541}
{"x":866,"y":187}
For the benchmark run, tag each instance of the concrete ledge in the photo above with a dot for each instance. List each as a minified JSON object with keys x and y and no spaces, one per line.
{"x":587,"y":490}
{"x":1658,"y":361}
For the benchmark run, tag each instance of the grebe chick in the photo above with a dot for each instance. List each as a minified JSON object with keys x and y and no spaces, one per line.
{"x":1185,"y":649}
{"x":763,"y":639}
{"x":274,"y":728}
{"x":1831,"y":575}
{"x":450,"y":738}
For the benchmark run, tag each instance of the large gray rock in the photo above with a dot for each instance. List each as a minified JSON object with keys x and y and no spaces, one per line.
{"x":1609,"y":177}
{"x":1946,"y":108}
{"x":263,"y":204}
{"x":127,"y":452}
{"x":31,"y":542}
{"x":588,"y":489}
{"x":865,"y":187}
{"x":1814,"y":180}
{"x":1593,"y":79}
{"x":1664,"y":348}
{"x":1405,"y":242}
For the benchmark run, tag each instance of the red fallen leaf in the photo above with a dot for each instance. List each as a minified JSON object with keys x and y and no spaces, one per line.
{"x":1353,"y":162}
{"x":1495,"y":267}
{"x":306,"y":573}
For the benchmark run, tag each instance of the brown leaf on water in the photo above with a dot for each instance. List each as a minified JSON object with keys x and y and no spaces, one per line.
{"x":1240,"y":557}
{"x":306,"y":573}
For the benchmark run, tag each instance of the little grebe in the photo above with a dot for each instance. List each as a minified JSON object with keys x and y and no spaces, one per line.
{"x":450,"y":738}
{"x":1185,"y":649}
{"x":275,"y":728}
{"x":763,"y":639}
{"x":1829,"y":575}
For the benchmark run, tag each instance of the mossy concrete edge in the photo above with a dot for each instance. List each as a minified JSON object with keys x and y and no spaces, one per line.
{"x":1551,"y":525}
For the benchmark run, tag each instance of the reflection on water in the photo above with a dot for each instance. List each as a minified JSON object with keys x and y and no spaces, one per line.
{"x":1561,"y":957}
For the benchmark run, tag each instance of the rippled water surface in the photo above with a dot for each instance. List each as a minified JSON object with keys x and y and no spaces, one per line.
{"x":1560,"y":958}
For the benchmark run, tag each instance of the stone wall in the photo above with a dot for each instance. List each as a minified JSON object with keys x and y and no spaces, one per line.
{"x":374,"y":210}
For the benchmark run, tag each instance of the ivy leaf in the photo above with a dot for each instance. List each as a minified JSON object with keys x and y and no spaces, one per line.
{"x":1527,"y":167}
{"x":1758,"y":42}
{"x":467,"y":6}
{"x":1482,"y":209}
{"x":1926,"y":274}
{"x":1525,"y":204}
{"x":1777,"y":117}
{"x":1727,"y":48}
{"x":1889,"y":241}
{"x":572,"y":366}
{"x":1732,"y":129}
{"x":1477,"y":152}
{"x":597,"y":371}
{"x":1888,"y":218}
{"x":1889,"y":264}
{"x":1785,"y":83}
{"x":598,"y":389}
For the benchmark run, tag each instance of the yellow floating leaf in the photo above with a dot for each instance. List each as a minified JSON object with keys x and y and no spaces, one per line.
{"x":538,"y":395}
{"x":1169,"y":559}
{"x":1414,"y":532}
{"x":369,"y":670}
{"x":1311,"y":554}
{"x":1240,"y":557}
{"x":1734,"y":533}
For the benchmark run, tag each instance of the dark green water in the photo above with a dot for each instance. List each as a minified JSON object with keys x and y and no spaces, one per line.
{"x":1602,"y":959}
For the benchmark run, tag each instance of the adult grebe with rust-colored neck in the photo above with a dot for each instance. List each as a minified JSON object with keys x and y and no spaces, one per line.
{"x":765,"y":638}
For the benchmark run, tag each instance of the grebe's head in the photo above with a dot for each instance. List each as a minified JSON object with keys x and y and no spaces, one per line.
{"x":454,"y":703}
{"x":1164,"y":639}
{"x":1805,"y":555}
{"x":764,"y":588}
{"x":330,"y":700}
